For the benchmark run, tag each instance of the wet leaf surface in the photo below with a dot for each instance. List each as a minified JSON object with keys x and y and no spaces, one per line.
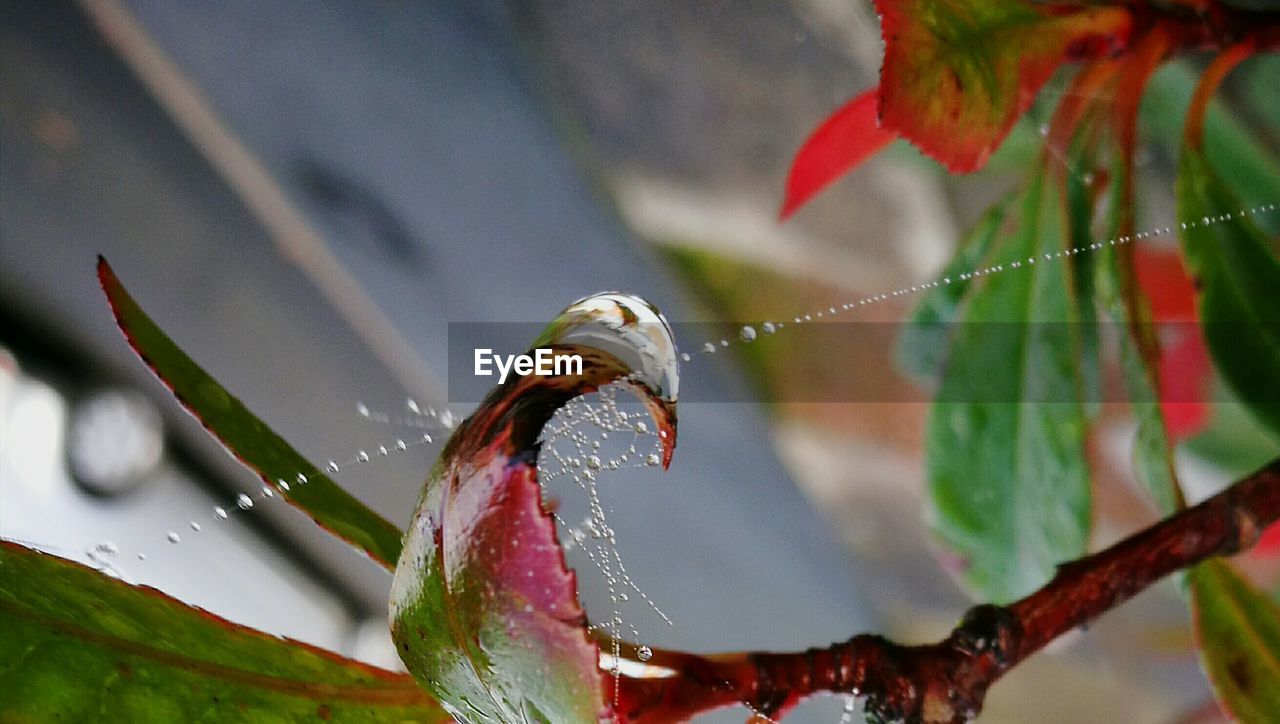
{"x":79,"y":646}
{"x":484,"y":611}
{"x":1008,"y":481}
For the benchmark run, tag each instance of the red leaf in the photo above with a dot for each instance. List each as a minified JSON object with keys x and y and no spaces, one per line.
{"x":845,"y":139}
{"x":1184,"y":364}
{"x":958,"y":73}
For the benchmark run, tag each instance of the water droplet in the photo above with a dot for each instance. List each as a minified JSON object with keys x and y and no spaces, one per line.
{"x":174,"y":537}
{"x":644,"y":653}
{"x":642,"y":427}
{"x":332,"y":467}
{"x":426,"y":437}
{"x":709,"y":348}
{"x":747,"y":334}
{"x":244,"y":501}
{"x":302,"y":479}
{"x":282,"y":485}
{"x":724,"y":343}
{"x":412,"y":405}
{"x":684,"y":357}
{"x":220,"y":513}
{"x":362,"y":456}
{"x":769,"y":328}
{"x":401,"y":445}
{"x":362,"y":409}
{"x":195,"y":526}
{"x":593,"y":462}
{"x":1205,"y":221}
{"x":142,"y":556}
{"x":107,"y":547}
{"x":267,"y":492}
{"x":446,"y":419}
{"x":652,"y":459}
{"x":382,"y":450}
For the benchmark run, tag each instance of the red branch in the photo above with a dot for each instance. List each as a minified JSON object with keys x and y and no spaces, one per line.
{"x":947,"y":681}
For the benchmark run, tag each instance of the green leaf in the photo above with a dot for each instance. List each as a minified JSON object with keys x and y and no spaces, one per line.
{"x":79,"y":646}
{"x":1008,"y":481}
{"x":1255,"y":172}
{"x":1238,"y":628}
{"x":484,"y":611}
{"x":248,"y":438}
{"x":921,"y":350}
{"x":1238,"y":276}
{"x":1124,"y":302}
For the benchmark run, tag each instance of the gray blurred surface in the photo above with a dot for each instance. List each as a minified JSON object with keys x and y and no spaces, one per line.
{"x":408,"y":136}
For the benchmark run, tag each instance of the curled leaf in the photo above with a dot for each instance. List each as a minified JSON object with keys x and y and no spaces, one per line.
{"x":484,"y":611}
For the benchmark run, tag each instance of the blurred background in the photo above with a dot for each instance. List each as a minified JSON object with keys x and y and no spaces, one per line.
{"x":306,"y":195}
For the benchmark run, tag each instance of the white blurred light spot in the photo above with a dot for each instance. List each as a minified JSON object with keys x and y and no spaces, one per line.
{"x":31,"y":439}
{"x":115,"y":441}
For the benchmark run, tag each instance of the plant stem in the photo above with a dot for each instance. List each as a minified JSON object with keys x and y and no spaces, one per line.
{"x":947,"y":681}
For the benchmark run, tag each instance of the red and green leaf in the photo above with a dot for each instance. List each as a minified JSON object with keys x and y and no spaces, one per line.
{"x":79,"y":646}
{"x":484,"y":611}
{"x":247,"y":437}
{"x":1238,"y":631}
{"x":958,"y":73}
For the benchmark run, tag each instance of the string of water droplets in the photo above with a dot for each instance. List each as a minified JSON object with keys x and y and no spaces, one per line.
{"x":748,"y":333}
{"x":585,"y":424}
{"x":104,"y":555}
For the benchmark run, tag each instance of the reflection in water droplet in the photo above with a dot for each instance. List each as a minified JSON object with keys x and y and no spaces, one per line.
{"x":747,"y":334}
{"x":644,"y":653}
{"x":174,"y":537}
{"x":332,"y":466}
{"x":244,"y":501}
